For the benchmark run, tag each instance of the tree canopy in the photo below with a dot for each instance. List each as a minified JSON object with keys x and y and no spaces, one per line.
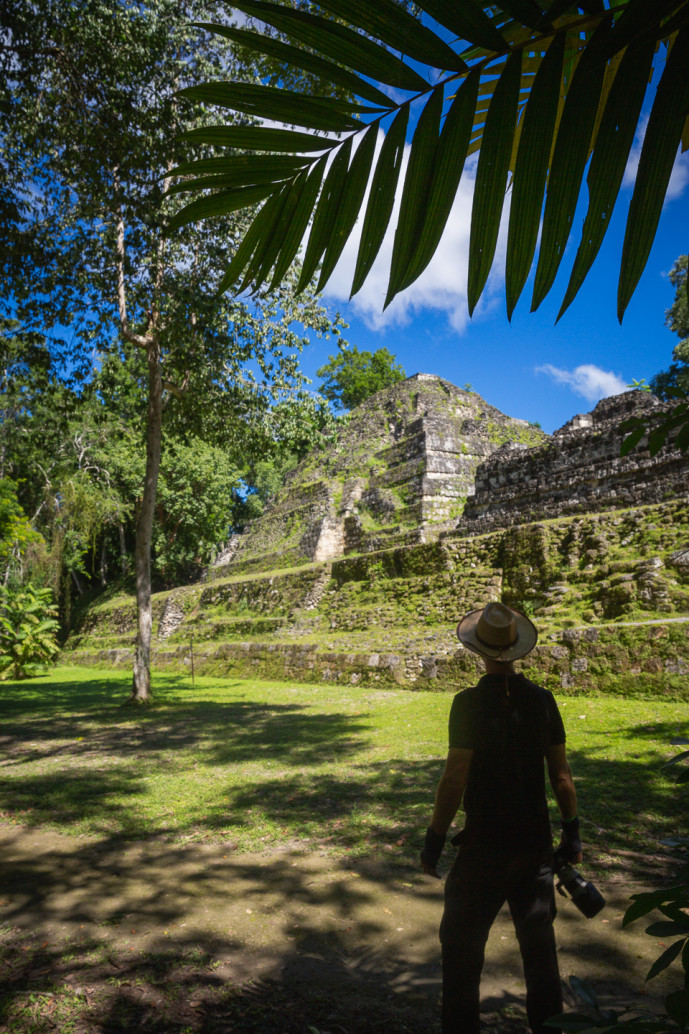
{"x":665,"y":383}
{"x":543,"y":90}
{"x":90,"y":126}
{"x":352,"y":376}
{"x":672,"y":424}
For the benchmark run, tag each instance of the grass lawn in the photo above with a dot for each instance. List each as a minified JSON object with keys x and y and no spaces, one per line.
{"x":256,"y":765}
{"x":260,"y":763}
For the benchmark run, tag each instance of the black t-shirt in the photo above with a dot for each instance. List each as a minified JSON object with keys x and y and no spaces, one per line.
{"x":509,"y":734}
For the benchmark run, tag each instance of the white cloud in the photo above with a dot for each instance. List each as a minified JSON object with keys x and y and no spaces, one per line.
{"x":680,"y":172}
{"x":679,"y":177}
{"x":443,"y":284}
{"x":587,"y":380}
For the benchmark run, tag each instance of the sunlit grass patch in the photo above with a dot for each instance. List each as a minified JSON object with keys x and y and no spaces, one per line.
{"x":263,"y":764}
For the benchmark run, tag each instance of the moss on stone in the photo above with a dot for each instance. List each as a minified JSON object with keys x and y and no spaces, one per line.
{"x":385,"y":612}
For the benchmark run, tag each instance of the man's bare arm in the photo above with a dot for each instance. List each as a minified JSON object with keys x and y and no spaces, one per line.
{"x":560,"y":775}
{"x":448,"y":795}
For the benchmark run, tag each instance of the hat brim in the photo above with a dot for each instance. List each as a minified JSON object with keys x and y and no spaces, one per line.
{"x":527,"y":637}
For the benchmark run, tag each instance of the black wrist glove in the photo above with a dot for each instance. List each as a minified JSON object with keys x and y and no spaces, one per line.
{"x":432,"y":847}
{"x":570,"y":844}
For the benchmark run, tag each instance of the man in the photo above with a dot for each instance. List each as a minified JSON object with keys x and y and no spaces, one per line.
{"x":501,"y":731}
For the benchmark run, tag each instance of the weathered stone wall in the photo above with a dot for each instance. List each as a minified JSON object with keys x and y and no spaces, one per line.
{"x":645,"y":661}
{"x":242,"y":600}
{"x":579,"y":470}
{"x":608,"y":583}
{"x":600,"y":566}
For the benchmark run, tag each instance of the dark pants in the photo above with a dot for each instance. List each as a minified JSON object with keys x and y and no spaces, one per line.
{"x":482,"y":878}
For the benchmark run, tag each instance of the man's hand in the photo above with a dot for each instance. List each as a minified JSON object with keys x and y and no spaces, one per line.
{"x":430,"y":853}
{"x":430,"y":870}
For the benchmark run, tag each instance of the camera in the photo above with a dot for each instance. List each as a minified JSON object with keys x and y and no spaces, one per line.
{"x":584,"y":895}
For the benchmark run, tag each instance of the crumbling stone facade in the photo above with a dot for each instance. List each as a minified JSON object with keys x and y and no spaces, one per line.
{"x":361,"y":569}
{"x":578,"y":470}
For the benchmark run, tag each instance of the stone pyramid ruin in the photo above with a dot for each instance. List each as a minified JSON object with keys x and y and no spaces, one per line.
{"x":431,"y":503}
{"x":400,"y":473}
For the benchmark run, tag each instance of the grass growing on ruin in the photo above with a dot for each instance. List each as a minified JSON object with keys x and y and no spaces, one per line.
{"x":260,"y":764}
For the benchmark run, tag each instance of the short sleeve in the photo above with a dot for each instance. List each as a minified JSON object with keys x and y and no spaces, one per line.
{"x":461,"y":724}
{"x":556,"y":728}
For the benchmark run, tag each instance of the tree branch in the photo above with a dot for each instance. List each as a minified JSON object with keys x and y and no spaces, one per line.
{"x":140,"y":340}
{"x":179,"y":391}
{"x":154,"y":314}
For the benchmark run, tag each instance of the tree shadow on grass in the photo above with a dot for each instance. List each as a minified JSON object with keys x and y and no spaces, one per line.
{"x":82,"y":719}
{"x":322,"y":978}
{"x":384,"y":807}
{"x":106,"y":693}
{"x":160,"y":937}
{"x":54,"y":694}
{"x":157,"y":937}
{"x":664,"y":732}
{"x":627,"y":809}
{"x":226,"y":733}
{"x":376,"y":809}
{"x":92,"y":763}
{"x":185,"y":988}
{"x":77,"y":759}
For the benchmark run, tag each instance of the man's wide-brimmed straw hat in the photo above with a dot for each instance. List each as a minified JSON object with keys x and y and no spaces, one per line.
{"x":497,"y":632}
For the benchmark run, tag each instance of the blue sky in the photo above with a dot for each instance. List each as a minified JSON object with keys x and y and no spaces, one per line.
{"x":530,"y":368}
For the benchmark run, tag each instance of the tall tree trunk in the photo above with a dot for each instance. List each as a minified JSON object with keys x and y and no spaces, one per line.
{"x":123,"y":551}
{"x":141,"y":681}
{"x":103,"y":565}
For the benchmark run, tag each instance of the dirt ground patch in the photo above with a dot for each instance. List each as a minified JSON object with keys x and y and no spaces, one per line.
{"x":105,"y":935}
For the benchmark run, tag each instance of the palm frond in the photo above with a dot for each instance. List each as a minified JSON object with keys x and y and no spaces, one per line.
{"x":541,"y":90}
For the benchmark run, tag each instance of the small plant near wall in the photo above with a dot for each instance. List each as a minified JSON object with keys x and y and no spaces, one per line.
{"x":28,"y":629}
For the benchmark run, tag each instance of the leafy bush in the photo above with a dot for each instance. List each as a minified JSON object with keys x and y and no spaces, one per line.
{"x":27,"y":632}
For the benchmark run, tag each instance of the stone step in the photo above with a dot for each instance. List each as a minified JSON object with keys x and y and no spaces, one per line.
{"x":285,"y":560}
{"x":229,"y":628}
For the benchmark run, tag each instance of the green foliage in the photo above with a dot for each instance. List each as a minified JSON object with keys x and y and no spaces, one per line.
{"x":677,"y":319}
{"x":85,"y":138}
{"x":27,"y":632}
{"x":352,"y":376}
{"x":26,"y":376}
{"x":669,"y":384}
{"x":196,"y":492}
{"x":677,"y":316}
{"x":293,"y":427}
{"x":266,"y":479}
{"x":16,"y":533}
{"x":543,"y":92}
